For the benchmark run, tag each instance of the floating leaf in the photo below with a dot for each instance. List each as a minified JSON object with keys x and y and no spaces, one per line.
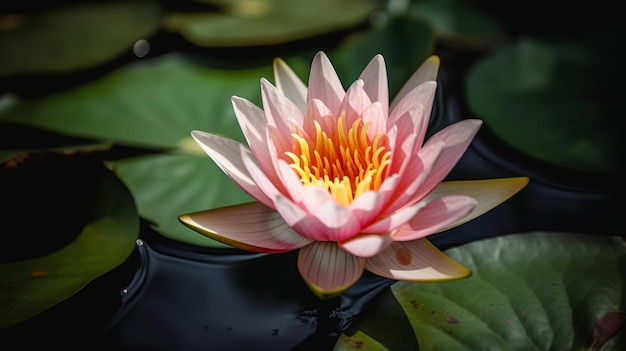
{"x":358,"y":341}
{"x":550,"y":100}
{"x":268,"y":22}
{"x":531,"y":291}
{"x":65,"y":222}
{"x":72,"y":37}
{"x":154,"y":104}
{"x":453,"y":20}
{"x":166,"y":186}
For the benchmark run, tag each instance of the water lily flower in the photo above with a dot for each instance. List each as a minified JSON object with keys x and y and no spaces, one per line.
{"x":347,"y":178}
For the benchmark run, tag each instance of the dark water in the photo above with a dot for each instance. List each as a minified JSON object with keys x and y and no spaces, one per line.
{"x":225,"y":300}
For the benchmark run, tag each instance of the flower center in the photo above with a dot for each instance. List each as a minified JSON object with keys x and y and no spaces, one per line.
{"x":344,"y":162}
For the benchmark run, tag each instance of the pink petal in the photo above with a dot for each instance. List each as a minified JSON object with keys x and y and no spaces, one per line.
{"x":393,"y":221}
{"x":307,"y":134}
{"x":367,"y":245}
{"x":417,"y":105}
{"x":269,"y":188}
{"x":375,"y":115}
{"x":299,"y":219}
{"x":427,"y":71}
{"x":317,"y":111}
{"x":327,"y":269}
{"x":254,"y":127}
{"x":250,"y":227}
{"x":289,"y":84}
{"x":309,"y":198}
{"x":277,"y":144}
{"x":367,"y":206}
{"x":340,"y":223}
{"x":393,"y":141}
{"x":251,"y":120}
{"x":456,"y":138}
{"x":292,"y":182}
{"x":324,"y":84}
{"x":436,"y":216}
{"x":278,"y":109}
{"x":331,"y":221}
{"x":226,"y":153}
{"x":417,"y":261}
{"x":354,"y":102}
{"x":402,"y":153}
{"x":488,"y":193}
{"x":376,"y":86}
{"x":414,"y":176}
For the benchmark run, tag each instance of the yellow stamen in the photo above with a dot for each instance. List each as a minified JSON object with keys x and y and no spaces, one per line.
{"x":346,"y":163}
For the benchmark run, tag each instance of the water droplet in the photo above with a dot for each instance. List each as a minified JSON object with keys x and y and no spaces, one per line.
{"x":141,"y":48}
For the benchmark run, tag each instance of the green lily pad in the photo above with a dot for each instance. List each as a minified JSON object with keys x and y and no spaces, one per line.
{"x":456,"y":21}
{"x":72,"y":37}
{"x":358,"y":341}
{"x":166,"y":186}
{"x":268,"y":22}
{"x":66,"y":220}
{"x":152,"y":105}
{"x":552,"y":101}
{"x":532,"y":291}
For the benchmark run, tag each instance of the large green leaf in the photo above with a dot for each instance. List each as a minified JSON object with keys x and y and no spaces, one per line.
{"x":65,"y":221}
{"x":268,"y":22}
{"x":358,"y":341}
{"x":532,"y":291}
{"x":166,"y":186}
{"x":551,"y":100}
{"x":154,"y":104}
{"x":72,"y":37}
{"x":456,"y":21}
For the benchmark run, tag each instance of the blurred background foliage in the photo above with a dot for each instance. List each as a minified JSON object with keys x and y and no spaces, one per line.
{"x":143,"y":74}
{"x":99,"y":99}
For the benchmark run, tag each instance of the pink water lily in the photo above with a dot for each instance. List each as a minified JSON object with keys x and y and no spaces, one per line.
{"x":347,"y":177}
